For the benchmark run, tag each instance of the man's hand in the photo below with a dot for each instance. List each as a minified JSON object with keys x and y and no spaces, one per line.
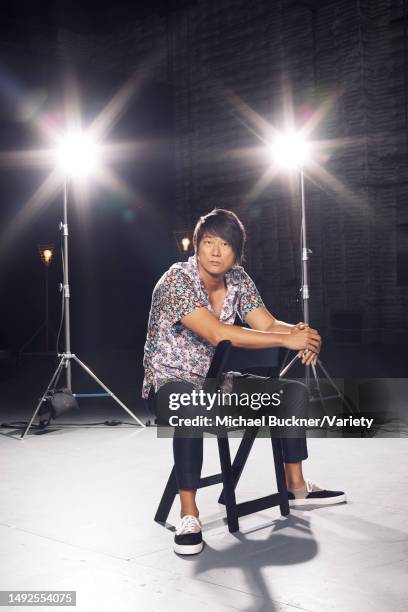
{"x":304,"y":337}
{"x":308,"y":357}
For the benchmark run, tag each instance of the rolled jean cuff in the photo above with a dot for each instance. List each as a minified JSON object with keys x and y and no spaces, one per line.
{"x":187,"y":481}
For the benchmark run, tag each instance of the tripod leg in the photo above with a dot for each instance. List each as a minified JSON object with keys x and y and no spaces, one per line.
{"x":287,"y":368}
{"x":53,"y":380}
{"x":319,"y":391}
{"x":101,"y":384}
{"x":285,"y":359}
{"x":331,"y":381}
{"x":307,"y":376}
{"x":333,"y":384}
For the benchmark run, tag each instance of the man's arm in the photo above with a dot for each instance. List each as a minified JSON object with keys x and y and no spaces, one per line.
{"x":203,"y":323}
{"x":262,"y":319}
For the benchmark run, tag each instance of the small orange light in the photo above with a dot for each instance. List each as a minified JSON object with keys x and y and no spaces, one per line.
{"x":46,"y":253}
{"x":47,"y":256}
{"x":185,"y":243}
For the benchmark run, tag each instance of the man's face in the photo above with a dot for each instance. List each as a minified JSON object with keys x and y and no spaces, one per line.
{"x":215,"y":254}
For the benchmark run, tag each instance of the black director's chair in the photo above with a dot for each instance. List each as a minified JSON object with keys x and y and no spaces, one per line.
{"x":231,"y":472}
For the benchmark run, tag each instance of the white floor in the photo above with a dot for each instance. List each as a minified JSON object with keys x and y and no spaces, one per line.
{"x":77,"y":514}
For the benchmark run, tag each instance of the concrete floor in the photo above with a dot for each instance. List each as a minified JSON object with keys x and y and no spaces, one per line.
{"x":77,"y":514}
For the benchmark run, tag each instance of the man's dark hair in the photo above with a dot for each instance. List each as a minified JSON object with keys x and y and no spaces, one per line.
{"x":225,"y":224}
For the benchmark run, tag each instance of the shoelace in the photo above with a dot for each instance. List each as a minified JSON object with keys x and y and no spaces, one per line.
{"x":309,"y":486}
{"x":189,"y":524}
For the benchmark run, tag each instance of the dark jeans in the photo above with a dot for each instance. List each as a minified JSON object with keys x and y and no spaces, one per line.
{"x":188,"y":451}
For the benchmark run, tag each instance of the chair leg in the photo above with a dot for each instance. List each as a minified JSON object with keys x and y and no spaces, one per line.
{"x":280,"y":474}
{"x":230,"y":501}
{"x":167,"y":499}
{"x":240,"y":458}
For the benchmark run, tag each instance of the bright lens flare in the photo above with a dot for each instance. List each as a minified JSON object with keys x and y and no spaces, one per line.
{"x":289,"y":150}
{"x":77,"y":155}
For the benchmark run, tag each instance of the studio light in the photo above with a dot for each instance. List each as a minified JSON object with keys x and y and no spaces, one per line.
{"x":73,"y":155}
{"x":78,"y":155}
{"x":289,"y":150}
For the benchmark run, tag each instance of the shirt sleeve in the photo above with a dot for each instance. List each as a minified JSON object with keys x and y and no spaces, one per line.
{"x":249,"y":297}
{"x":179,"y":296}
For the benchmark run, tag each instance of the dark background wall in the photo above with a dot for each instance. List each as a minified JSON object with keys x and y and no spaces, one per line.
{"x":222,"y":57}
{"x":354,"y":53}
{"x":204,"y":64}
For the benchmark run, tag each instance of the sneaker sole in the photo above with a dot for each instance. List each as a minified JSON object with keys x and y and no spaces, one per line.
{"x":188,"y":549}
{"x":318,"y":501}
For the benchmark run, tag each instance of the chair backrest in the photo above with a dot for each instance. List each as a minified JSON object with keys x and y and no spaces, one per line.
{"x":218,"y":362}
{"x":242,"y":359}
{"x":228,"y":358}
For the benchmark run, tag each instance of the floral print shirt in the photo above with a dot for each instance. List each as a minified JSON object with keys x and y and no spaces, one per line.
{"x":173,"y":352}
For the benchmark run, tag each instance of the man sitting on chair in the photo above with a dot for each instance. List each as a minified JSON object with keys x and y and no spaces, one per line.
{"x":194,"y":306}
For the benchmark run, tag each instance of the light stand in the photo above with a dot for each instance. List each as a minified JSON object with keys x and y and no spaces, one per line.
{"x":306,"y":318}
{"x":66,"y":357}
{"x":46,"y":254}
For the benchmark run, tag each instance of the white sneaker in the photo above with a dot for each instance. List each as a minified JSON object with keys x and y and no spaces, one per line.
{"x":311,"y":494}
{"x":188,"y":539}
